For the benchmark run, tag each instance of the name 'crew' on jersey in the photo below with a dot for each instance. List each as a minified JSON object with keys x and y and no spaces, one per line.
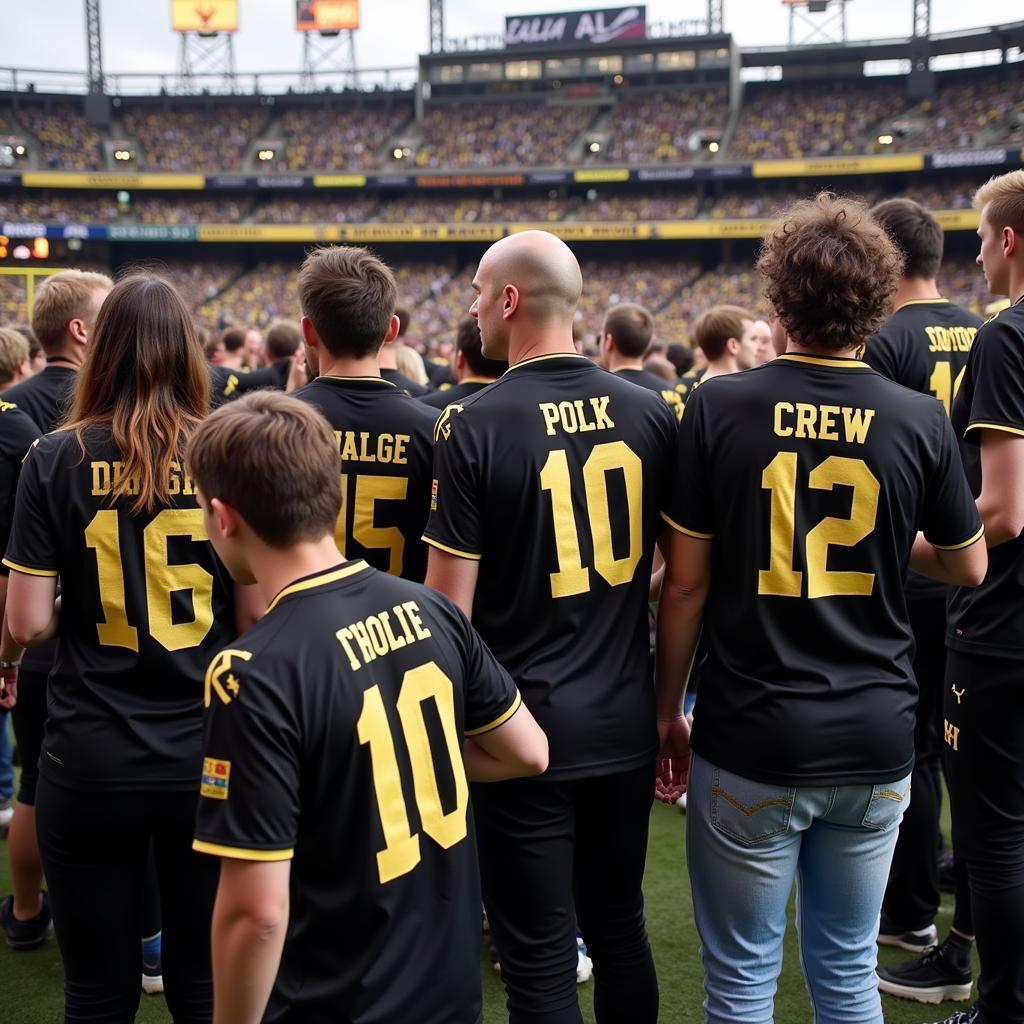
{"x":384,"y":437}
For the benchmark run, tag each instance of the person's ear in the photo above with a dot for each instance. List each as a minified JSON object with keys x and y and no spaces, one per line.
{"x":1009,"y":242}
{"x":227,"y":518}
{"x":393,"y":328}
{"x":309,"y":334}
{"x":511,"y":301}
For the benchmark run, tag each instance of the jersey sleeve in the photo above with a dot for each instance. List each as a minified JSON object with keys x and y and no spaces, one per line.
{"x":880,"y":355}
{"x":19,"y":432}
{"x":951,"y":519}
{"x":687,"y":507}
{"x":455,"y":524}
{"x":32,"y":547}
{"x":248,"y":796}
{"x":997,"y":401}
{"x":491,"y":696}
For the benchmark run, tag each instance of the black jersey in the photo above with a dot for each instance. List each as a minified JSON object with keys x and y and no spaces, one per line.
{"x":275,"y":376}
{"x":385,"y":443}
{"x":145,"y":605}
{"x":924,"y":346}
{"x":410,"y":387}
{"x":553,"y":478}
{"x":439,"y":371}
{"x":223,"y":385}
{"x":990,"y":619}
{"x":45,"y":397}
{"x":457,"y":392}
{"x":17,"y":432}
{"x":813,"y":475}
{"x":674,"y":395}
{"x":334,"y":737}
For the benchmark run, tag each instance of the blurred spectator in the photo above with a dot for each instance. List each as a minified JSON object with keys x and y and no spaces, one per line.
{"x":659,"y":127}
{"x":315,"y":209}
{"x":330,"y":139}
{"x":640,"y":207}
{"x":69,"y":142}
{"x":500,"y":134}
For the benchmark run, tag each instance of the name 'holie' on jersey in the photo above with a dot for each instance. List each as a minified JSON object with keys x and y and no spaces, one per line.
{"x":146,"y":604}
{"x":385,"y":445}
{"x":334,"y":738}
{"x":553,"y":478}
{"x":812,"y":475}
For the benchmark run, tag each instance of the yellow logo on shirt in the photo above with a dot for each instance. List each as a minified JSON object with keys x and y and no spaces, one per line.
{"x":444,"y":423}
{"x":215,"y":778}
{"x":220,"y":679}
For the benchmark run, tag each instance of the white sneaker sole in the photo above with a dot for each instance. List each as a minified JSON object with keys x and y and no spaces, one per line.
{"x":918,"y":945}
{"x":584,"y":968}
{"x":151,"y":985}
{"x":935,"y":994}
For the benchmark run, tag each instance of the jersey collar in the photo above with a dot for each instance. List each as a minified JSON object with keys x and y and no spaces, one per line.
{"x":921,"y":302}
{"x":475,"y":380}
{"x":538,"y":359}
{"x":836,"y":362}
{"x":320,"y":579}
{"x":357,"y":380}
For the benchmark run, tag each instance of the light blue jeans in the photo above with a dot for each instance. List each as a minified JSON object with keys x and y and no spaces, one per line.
{"x":746,"y":844}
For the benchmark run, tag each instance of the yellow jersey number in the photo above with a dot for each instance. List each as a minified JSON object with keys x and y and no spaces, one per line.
{"x":401,"y":851}
{"x":573,"y":577}
{"x":103,"y":536}
{"x":366,"y":490}
{"x":943,"y":386}
{"x":780,"y":579}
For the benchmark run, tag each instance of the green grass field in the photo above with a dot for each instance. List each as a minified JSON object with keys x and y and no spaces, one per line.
{"x":31,"y":982}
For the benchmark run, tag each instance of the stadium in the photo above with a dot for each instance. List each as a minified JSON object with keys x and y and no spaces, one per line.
{"x":660,"y":153}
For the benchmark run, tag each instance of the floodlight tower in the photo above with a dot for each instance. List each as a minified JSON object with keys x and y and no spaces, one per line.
{"x":805,"y":28}
{"x":921,"y":83}
{"x":716,"y":17}
{"x":207,"y":46}
{"x":94,"y":46}
{"x":437,"y":26}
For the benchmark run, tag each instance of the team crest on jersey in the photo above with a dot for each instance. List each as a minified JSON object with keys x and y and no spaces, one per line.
{"x":443,"y":428}
{"x":220,"y":679}
{"x":216,"y":774}
{"x":433,"y":495}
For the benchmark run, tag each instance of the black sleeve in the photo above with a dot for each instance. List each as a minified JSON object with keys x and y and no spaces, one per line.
{"x":880,"y":355}
{"x":17,"y":433}
{"x":249,"y":794}
{"x":32,"y":547}
{"x":455,"y":523}
{"x":951,"y":518}
{"x":491,"y":696}
{"x":688,"y":506}
{"x":997,"y":400}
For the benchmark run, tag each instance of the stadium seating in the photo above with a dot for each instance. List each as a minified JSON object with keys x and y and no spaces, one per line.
{"x":658,"y":127}
{"x":333,"y":139}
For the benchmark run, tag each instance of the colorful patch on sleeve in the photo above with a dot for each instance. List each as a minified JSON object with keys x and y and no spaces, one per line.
{"x":433,"y":496}
{"x":216,"y":774}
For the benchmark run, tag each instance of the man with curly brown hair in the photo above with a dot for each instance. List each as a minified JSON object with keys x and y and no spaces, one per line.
{"x":799,"y":491}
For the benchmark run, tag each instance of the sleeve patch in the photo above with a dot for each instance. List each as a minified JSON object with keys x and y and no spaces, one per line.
{"x":216,"y":775}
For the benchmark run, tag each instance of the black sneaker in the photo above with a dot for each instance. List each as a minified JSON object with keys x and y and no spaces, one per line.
{"x":968,"y":1016}
{"x":28,"y":934}
{"x":914,"y":941}
{"x":931,"y":978}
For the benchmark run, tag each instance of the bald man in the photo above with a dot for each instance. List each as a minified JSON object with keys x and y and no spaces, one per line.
{"x":546,"y":503}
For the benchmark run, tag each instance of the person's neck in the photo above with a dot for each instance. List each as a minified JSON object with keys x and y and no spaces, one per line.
{"x":343,"y":366}
{"x":1016,"y":283}
{"x":231,"y":362}
{"x":721,"y":367}
{"x":915,"y":289}
{"x":387,"y":358}
{"x":276,"y":568}
{"x":618,"y":362}
{"x":541,"y":341}
{"x":793,"y":349}
{"x":69,"y":358}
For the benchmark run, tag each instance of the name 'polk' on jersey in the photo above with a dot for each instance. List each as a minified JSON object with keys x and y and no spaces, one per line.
{"x":553,"y":478}
{"x":334,"y":739}
{"x":385,"y":446}
{"x":151,"y":604}
{"x":812,"y":476}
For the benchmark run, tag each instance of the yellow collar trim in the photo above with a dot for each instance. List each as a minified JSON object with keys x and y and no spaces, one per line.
{"x":475,"y":380}
{"x":365,"y":377}
{"x":837,"y":362}
{"x":320,"y":580}
{"x":537,"y":359}
{"x":920,"y":302}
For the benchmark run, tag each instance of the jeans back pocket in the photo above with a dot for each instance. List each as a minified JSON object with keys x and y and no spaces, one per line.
{"x":889,"y":801}
{"x":747,"y":811}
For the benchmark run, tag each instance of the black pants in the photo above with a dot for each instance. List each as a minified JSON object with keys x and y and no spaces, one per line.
{"x":984,"y":740}
{"x":29,"y":720}
{"x":95,"y":847}
{"x":552,"y":853}
{"x":912,"y":896}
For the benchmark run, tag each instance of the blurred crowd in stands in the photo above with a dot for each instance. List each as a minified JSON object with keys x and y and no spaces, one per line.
{"x":324,"y":139}
{"x":660,"y":127}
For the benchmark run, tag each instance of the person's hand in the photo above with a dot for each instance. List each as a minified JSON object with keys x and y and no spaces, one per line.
{"x":8,"y":688}
{"x":672,"y":768}
{"x":298,"y":375}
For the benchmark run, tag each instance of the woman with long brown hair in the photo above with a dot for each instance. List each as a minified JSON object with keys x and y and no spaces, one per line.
{"x":105,"y":504}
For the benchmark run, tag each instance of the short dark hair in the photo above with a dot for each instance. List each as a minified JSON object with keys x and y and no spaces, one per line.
{"x":233,"y":338}
{"x":467,"y":341}
{"x":349,"y":295}
{"x":715,"y":326}
{"x":680,"y":357}
{"x":915,"y":232}
{"x":631,"y":327}
{"x":275,"y":460}
{"x":830,"y":272}
{"x":283,"y":339}
{"x":404,"y":319}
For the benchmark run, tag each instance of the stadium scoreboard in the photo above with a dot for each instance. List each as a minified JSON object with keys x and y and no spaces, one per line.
{"x":326,"y":15}
{"x":204,"y":16}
